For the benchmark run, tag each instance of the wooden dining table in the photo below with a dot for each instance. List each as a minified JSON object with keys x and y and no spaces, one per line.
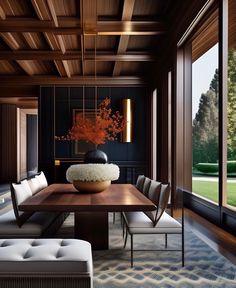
{"x":90,"y":209}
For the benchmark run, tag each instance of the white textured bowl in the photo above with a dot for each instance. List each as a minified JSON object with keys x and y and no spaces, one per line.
{"x":92,"y":172}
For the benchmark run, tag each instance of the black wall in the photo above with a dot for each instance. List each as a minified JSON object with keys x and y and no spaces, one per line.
{"x":56,"y":106}
{"x":32,"y":144}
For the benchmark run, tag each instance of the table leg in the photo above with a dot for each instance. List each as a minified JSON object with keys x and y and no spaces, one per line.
{"x":92,"y":227}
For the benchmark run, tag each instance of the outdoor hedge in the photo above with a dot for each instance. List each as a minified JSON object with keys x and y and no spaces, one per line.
{"x":214,"y":167}
{"x":207,"y":167}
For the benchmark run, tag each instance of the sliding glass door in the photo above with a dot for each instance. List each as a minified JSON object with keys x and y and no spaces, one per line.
{"x":231,"y":107}
{"x":205,"y":111}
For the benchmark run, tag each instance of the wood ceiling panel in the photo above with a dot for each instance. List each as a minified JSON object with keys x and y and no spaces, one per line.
{"x":14,"y":41}
{"x":35,"y":40}
{"x":71,"y":42}
{"x":150,"y":9}
{"x":108,"y":43}
{"x":133,"y":68}
{"x":102,"y":68}
{"x":140,"y":43}
{"x":206,"y":38}
{"x":74,"y":67}
{"x":109,"y":9}
{"x":65,"y":7}
{"x":146,"y":8}
{"x":36,"y":68}
{"x":17,"y":7}
{"x":7,"y":68}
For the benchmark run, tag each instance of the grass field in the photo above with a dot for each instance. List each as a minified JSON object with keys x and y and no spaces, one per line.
{"x":209,"y":190}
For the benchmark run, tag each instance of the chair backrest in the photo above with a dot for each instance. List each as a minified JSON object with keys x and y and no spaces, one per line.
{"x":140,"y":182}
{"x":163,"y":201}
{"x":154,"y":195}
{"x":146,"y":186}
{"x":154,"y":192}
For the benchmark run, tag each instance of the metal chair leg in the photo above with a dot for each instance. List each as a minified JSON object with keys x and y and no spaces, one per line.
{"x":123,"y":229}
{"x":114,"y":217}
{"x":165,"y":240}
{"x":126,"y":236}
{"x":182,"y":249}
{"x":132,"y":252}
{"x":121,"y":220}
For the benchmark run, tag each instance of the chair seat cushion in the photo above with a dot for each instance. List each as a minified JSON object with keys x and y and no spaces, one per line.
{"x":33,"y":227}
{"x":45,"y":256}
{"x":139,"y":222}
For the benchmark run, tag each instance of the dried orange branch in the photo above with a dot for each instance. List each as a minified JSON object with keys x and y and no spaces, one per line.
{"x":105,"y":127}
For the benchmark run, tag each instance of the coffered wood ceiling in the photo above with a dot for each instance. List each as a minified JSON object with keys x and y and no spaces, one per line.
{"x":74,"y":42}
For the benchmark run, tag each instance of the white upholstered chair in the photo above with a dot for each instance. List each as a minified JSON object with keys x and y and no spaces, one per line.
{"x":154,"y":222}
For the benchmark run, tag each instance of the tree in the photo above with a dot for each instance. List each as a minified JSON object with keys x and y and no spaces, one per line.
{"x":205,"y":124}
{"x":231,"y":108}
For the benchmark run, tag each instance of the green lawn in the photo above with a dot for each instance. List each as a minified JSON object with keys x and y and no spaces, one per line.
{"x":209,"y":190}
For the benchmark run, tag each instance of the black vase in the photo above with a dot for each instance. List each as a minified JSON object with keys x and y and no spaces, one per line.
{"x":95,"y":156}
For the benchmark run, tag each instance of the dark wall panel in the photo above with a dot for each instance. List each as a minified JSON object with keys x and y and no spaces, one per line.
{"x":32,"y":144}
{"x":65,"y":99}
{"x":46,"y":132}
{"x":8,"y":143}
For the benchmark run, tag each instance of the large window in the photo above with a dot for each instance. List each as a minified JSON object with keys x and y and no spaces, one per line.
{"x":205,"y":112}
{"x":231,"y":106}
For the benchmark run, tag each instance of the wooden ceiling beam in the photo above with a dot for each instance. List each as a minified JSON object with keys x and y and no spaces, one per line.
{"x":74,"y":55}
{"x":104,"y":28}
{"x":44,"y":20}
{"x":80,"y":80}
{"x":2,"y":13}
{"x":127,"y":13}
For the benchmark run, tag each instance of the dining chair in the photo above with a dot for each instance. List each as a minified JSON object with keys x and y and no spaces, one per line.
{"x":141,"y":180}
{"x":154,"y":222}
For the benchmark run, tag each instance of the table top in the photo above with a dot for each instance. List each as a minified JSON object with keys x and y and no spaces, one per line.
{"x":64,"y":197}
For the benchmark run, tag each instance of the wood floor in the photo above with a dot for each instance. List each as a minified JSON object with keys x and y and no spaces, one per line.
{"x":218,"y":239}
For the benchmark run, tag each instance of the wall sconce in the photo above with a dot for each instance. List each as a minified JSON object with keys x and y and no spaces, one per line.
{"x":127,"y":110}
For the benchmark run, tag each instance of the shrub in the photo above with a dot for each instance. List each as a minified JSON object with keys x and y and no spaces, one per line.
{"x":207,"y":167}
{"x":214,"y":167}
{"x":231,"y":166}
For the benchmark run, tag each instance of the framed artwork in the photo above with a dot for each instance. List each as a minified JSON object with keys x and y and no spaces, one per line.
{"x":81,"y":147}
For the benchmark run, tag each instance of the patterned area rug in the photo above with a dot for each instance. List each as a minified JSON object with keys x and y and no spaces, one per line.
{"x":203,"y":266}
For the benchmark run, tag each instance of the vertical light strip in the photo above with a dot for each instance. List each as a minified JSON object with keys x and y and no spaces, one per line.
{"x":169,"y":126}
{"x":154,"y":134}
{"x":127,"y":108}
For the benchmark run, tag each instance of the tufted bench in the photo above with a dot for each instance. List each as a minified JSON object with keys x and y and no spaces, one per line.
{"x":45,"y":263}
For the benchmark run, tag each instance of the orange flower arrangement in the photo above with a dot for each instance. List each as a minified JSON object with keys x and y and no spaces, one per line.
{"x":106,"y":126}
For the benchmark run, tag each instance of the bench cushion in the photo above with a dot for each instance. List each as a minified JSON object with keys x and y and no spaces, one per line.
{"x":19,"y":193}
{"x":33,"y":227}
{"x":139,"y":222}
{"x":42,"y":180}
{"x":46,"y":256}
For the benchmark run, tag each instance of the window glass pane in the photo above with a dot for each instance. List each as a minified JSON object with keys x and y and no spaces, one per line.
{"x":231,"y":107}
{"x":205,"y":151}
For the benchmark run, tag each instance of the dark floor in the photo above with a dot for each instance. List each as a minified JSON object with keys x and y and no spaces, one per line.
{"x":218,"y":239}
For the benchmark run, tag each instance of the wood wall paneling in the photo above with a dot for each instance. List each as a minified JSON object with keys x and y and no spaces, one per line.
{"x":8,"y":143}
